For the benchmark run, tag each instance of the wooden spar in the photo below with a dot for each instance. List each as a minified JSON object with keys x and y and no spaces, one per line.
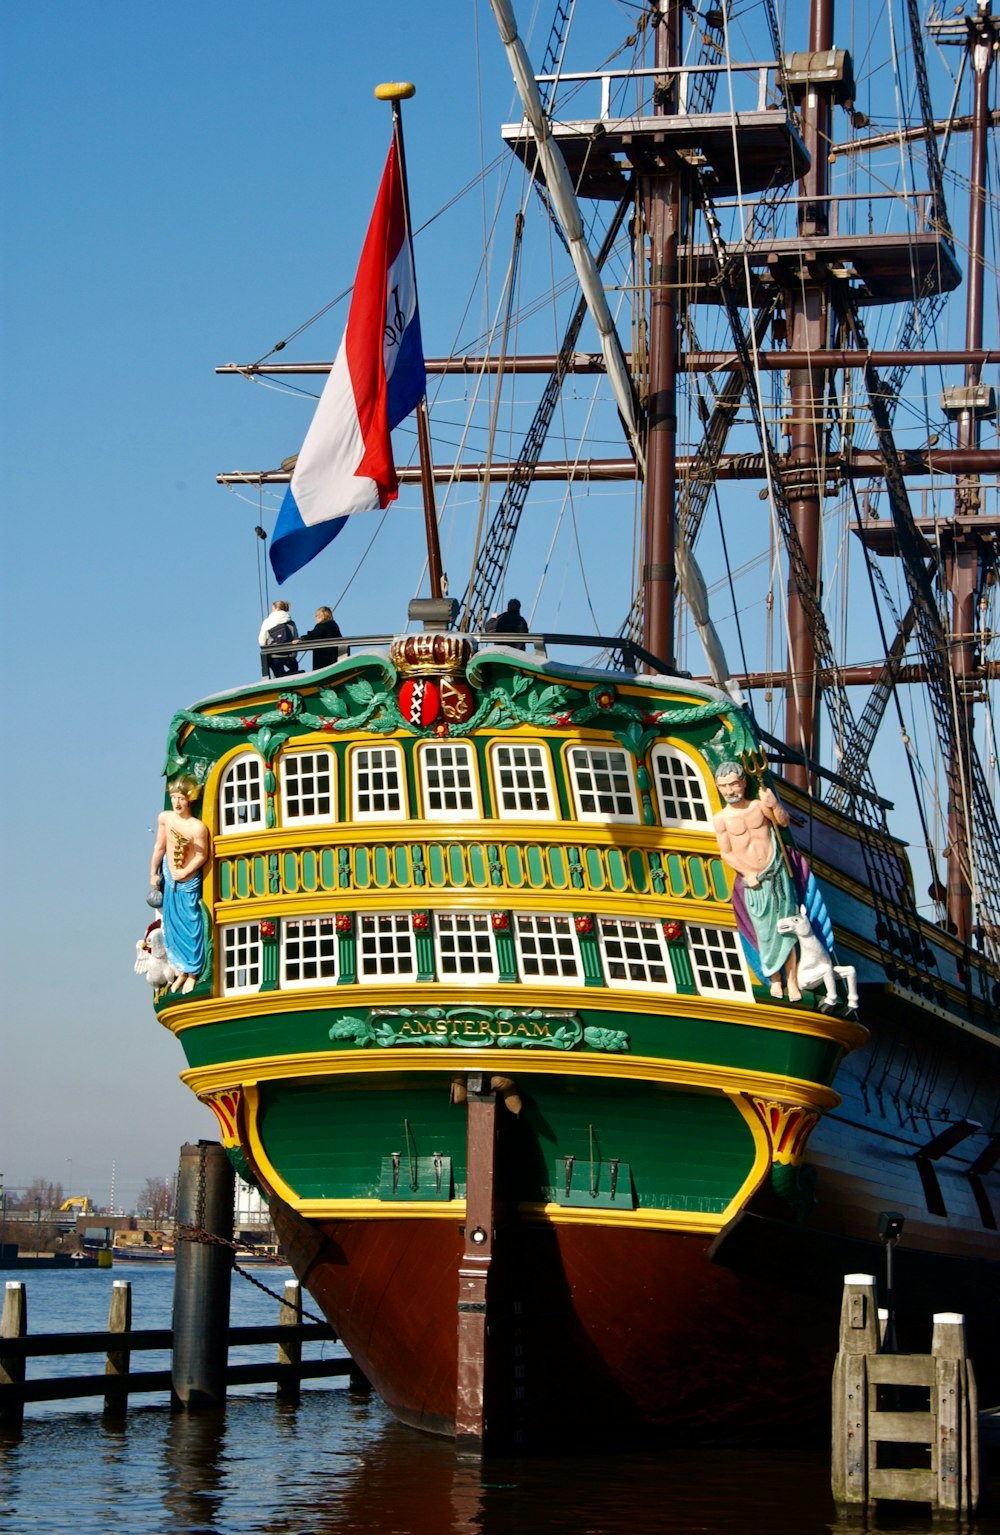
{"x":396,"y":93}
{"x":474,"y":1265}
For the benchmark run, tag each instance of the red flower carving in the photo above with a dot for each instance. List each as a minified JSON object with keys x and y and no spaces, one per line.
{"x":345,"y":922}
{"x":421,"y":921}
{"x":285,"y":706}
{"x":500,"y":921}
{"x":672,"y":931}
{"x":441,"y":728}
{"x":584,"y":924}
{"x":605,"y":700}
{"x":267,"y":929}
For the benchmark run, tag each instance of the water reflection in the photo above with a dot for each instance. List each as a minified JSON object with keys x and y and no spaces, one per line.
{"x":337,"y":1464}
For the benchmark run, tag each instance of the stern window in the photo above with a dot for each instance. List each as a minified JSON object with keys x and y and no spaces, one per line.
{"x":377,"y":783}
{"x":308,"y":951}
{"x":385,"y":947}
{"x":241,"y":794}
{"x":547,"y":948}
{"x":521,"y":779}
{"x":449,"y":781}
{"x":307,"y":787}
{"x":242,"y":957}
{"x":680,"y":789}
{"x":602,"y":784}
{"x":717,"y":962}
{"x":634,"y":953}
{"x":465,"y":946}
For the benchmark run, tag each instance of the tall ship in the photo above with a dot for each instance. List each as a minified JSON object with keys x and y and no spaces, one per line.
{"x":586,"y":1004}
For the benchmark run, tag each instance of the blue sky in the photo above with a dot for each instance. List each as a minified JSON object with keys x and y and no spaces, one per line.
{"x":185,"y":186}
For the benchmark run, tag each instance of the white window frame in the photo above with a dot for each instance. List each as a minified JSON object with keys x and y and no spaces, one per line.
{"x":427,"y":753}
{"x":564,"y":978}
{"x":640,"y":930}
{"x":322,"y":927}
{"x":392,"y":754}
{"x":588,"y":753}
{"x":448,"y":934}
{"x":728,"y":943}
{"x":318,"y":755}
{"x":400,"y":926}
{"x":681,"y":774}
{"x":226,"y":825}
{"x":235,"y":938}
{"x":501,"y":753}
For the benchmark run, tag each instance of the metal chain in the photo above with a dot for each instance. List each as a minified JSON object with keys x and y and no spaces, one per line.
{"x":184,"y":1233}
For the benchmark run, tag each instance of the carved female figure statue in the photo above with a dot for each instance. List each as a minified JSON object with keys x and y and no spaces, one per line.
{"x":181,"y":850}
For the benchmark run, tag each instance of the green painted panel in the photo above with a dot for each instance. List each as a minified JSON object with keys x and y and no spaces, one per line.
{"x":675,"y":871}
{"x":401,"y":866}
{"x":558,"y":871}
{"x":380,"y":865}
{"x":362,"y":868}
{"x":329,"y":1140}
{"x":637,"y":870}
{"x":225,"y":881}
{"x":720,"y":883}
{"x":310,"y":871}
{"x":699,"y":878}
{"x":259,"y":877}
{"x":242,"y":879}
{"x":435,"y":864}
{"x":290,"y":873}
{"x":478,"y":872}
{"x":327,"y":869}
{"x":616,"y":869}
{"x":537,"y":872}
{"x":512,"y":863}
{"x":456,"y":864}
{"x":593,"y":863}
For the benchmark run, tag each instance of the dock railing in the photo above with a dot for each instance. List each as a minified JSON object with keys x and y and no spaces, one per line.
{"x":118,"y":1380}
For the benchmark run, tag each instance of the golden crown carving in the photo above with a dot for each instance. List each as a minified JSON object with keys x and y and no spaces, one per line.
{"x":416,"y":654}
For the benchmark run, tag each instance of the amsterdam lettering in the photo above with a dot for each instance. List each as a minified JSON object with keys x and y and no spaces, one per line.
{"x":472,"y":1028}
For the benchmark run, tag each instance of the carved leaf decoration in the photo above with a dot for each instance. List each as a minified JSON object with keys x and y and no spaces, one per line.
{"x":261,"y":740}
{"x":635,"y":739}
{"x":612,"y":1040}
{"x":332,"y":704}
{"x":360,"y":691}
{"x":347,"y":1028}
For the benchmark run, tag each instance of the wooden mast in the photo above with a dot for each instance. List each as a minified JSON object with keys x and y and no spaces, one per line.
{"x":663,"y":212}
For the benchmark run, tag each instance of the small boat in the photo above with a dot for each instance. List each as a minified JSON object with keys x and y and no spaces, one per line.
{"x":573,"y":998}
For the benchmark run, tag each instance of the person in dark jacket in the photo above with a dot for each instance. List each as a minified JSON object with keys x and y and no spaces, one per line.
{"x":510,"y":621}
{"x":279,"y":628}
{"x":325,"y":628}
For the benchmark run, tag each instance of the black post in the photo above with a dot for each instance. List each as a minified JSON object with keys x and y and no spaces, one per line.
{"x":204,"y":1211}
{"x":890,"y":1226}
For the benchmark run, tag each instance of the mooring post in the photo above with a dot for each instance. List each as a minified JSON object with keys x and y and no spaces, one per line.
{"x":957,"y":1417}
{"x":202,"y":1278}
{"x":290,"y":1353}
{"x":859,"y":1337}
{"x":118,"y":1360}
{"x":13,"y":1324}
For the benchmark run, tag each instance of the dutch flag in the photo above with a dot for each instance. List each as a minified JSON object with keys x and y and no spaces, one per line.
{"x":346,"y":462}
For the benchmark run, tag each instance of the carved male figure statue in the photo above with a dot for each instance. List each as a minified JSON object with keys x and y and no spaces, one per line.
{"x":749,"y":843}
{"x":181,"y":850}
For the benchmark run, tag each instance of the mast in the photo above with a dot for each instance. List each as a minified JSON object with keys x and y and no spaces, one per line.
{"x":808,"y":331}
{"x":964,"y":552}
{"x":663,"y":214}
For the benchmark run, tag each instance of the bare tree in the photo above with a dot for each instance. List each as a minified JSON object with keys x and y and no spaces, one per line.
{"x":156,"y":1199}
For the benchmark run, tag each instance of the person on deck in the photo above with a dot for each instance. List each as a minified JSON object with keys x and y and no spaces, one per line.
{"x":510,"y":621}
{"x":279,"y":628}
{"x":180,"y":852}
{"x":747,"y":834}
{"x":325,"y":628}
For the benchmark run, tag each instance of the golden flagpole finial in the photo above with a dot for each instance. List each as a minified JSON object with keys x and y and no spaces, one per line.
{"x":395,"y":90}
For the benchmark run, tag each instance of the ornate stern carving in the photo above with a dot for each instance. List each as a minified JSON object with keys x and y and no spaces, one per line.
{"x":423,"y":655}
{"x":225,"y":1106}
{"x":789,"y":1126}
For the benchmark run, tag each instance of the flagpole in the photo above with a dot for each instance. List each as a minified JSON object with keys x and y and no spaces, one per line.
{"x":397,"y":92}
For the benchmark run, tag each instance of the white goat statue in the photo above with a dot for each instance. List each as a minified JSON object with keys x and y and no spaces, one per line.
{"x":816,"y":964}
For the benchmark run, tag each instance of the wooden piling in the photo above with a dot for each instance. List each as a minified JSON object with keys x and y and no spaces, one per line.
{"x":290,"y":1353}
{"x":13,"y":1324}
{"x":204,"y":1261}
{"x":118,"y":1361}
{"x":859,"y":1339}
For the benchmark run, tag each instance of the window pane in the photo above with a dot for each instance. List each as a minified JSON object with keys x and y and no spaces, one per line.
{"x":546,"y":948}
{"x":449,"y":780}
{"x":307,"y":787}
{"x":385,"y":947}
{"x":241,"y":794}
{"x":377,"y":781}
{"x":680,"y":789}
{"x":308,"y":951}
{"x":602,"y":784}
{"x":522,"y":779}
{"x":717,"y":962}
{"x":465,"y":946}
{"x":634,"y":952}
{"x":242,"y":968}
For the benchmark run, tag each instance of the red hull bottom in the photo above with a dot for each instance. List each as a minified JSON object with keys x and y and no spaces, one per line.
{"x":592,"y":1330}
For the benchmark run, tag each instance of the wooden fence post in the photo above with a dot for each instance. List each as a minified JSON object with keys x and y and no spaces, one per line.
{"x":14,"y":1324}
{"x":290,"y":1353}
{"x":859,"y":1337}
{"x":118,"y":1361}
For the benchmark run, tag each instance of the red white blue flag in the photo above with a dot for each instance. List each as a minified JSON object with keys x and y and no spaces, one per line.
{"x":346,"y":462}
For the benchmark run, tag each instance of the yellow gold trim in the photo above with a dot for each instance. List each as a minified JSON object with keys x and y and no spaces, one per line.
{"x":364,"y":1063}
{"x":183,"y":1014}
